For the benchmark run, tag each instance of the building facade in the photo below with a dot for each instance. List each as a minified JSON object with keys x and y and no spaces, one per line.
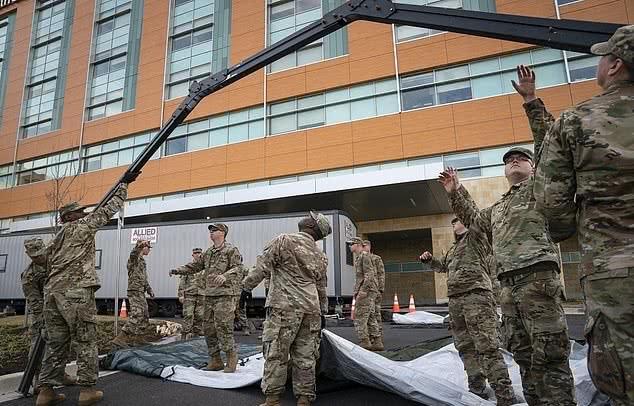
{"x":361,"y":120}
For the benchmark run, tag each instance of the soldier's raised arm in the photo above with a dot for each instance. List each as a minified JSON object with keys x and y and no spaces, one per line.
{"x":103,"y":214}
{"x":462,"y":204}
{"x":555,"y":183}
{"x":263,"y":266}
{"x":197,"y":265}
{"x":437,"y":265}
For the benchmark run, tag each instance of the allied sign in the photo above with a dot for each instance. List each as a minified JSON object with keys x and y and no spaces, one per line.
{"x":147,"y":233}
{"x":6,"y":3}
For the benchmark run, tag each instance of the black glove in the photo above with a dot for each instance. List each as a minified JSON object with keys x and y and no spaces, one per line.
{"x":130,"y":177}
{"x":323,"y":322}
{"x":244,"y":296}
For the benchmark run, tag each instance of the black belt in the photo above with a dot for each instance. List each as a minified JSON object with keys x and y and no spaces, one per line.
{"x":516,"y":279}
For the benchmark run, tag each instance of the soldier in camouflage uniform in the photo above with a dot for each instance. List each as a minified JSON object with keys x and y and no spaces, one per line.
{"x":527,"y":262}
{"x":222,"y":267}
{"x":138,"y":286}
{"x":70,"y":311}
{"x":472,"y":313}
{"x":240,"y":318}
{"x":294,"y":308}
{"x":365,"y":291}
{"x":377,"y":342}
{"x":190,"y":289}
{"x":585,"y":182}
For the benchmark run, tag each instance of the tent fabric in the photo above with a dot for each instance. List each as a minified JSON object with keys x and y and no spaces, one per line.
{"x":434,"y":378}
{"x":418,"y":317}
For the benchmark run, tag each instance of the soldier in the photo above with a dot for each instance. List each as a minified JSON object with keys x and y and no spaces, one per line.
{"x":222,"y":264}
{"x":240,"y":317}
{"x":585,"y":182}
{"x":295,"y":307}
{"x":472,"y":313}
{"x":365,"y":291}
{"x":377,"y":343}
{"x":528,"y":269}
{"x":190,"y":289}
{"x":70,"y":311}
{"x":138,"y":286}
{"x":33,"y":279}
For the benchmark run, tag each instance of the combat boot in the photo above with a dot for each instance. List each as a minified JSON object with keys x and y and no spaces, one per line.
{"x":271,"y":400}
{"x":215,"y":362}
{"x":377,"y":344}
{"x":89,"y":396}
{"x":365,"y":343}
{"x":69,"y":380}
{"x":232,"y":362}
{"x":303,"y":401}
{"x":121,"y":340}
{"x":47,"y":396}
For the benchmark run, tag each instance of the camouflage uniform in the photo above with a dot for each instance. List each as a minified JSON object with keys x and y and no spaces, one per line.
{"x":472,"y":314}
{"x":527,"y":264}
{"x":70,"y":311}
{"x":138,"y":285}
{"x":380,"y":281}
{"x":296,"y":299}
{"x":220,"y":301}
{"x":240,"y":315}
{"x":33,"y":279}
{"x":585,"y":182}
{"x":190,"y":288}
{"x":365,"y":292}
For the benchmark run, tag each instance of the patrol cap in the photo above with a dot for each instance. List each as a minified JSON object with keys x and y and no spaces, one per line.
{"x":197,"y":250}
{"x":143,"y":243}
{"x":355,"y":240}
{"x":620,"y":44}
{"x":34,"y":247}
{"x":70,"y":208}
{"x":218,"y":226}
{"x":367,"y":242}
{"x":521,"y":150}
{"x":455,"y":220}
{"x":322,"y":223}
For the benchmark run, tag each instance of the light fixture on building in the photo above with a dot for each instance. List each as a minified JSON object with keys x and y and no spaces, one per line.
{"x":411,"y":200}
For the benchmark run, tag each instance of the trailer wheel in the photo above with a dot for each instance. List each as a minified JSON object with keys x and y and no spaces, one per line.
{"x":169,"y":309}
{"x":153,"y":308}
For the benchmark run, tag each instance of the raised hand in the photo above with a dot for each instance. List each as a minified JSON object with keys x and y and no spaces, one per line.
{"x":525,"y":85}
{"x":425,"y":256}
{"x":449,"y":179}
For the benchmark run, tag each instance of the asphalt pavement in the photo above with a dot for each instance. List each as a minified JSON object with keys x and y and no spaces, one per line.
{"x":128,"y":389}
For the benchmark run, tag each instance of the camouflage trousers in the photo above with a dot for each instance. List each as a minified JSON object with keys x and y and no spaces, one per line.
{"x":218,"y":323}
{"x":537,"y":334}
{"x":70,"y":316}
{"x":193,"y":314}
{"x":610,"y":317}
{"x":473,"y":322}
{"x":365,"y":322}
{"x":139,"y":316}
{"x":378,"y":300}
{"x":295,"y":335}
{"x":240,"y":315}
{"x":35,"y":320}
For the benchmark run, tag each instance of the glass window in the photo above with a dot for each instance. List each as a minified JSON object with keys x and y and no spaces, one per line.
{"x":583,"y":68}
{"x":404,"y":32}
{"x":56,"y":166}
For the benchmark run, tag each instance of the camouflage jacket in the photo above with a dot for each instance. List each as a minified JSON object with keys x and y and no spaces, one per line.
{"x":191,"y":285}
{"x":33,"y":280}
{"x":137,"y":272}
{"x":585,"y":177}
{"x":466,"y":263}
{"x":365,"y":272}
{"x":380,"y":271}
{"x":224,"y":260}
{"x":72,"y":251}
{"x":297,"y":271}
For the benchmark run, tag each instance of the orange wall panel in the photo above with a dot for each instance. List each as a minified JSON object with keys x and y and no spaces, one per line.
{"x":208,"y":176}
{"x":584,"y":91}
{"x":329,"y":136}
{"x":611,"y":11}
{"x":243,"y":151}
{"x":376,"y":128}
{"x":285,"y":144}
{"x":285,"y":164}
{"x":245,"y":170}
{"x":422,"y":54}
{"x":209,"y":157}
{"x":378,"y":150}
{"x":426,"y":119}
{"x":429,"y":142}
{"x":335,"y":156}
{"x":483,"y":134}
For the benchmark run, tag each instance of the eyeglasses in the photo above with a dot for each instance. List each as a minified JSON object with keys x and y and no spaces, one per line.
{"x":519,"y":157}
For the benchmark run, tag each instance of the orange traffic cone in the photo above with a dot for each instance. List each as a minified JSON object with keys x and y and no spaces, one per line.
{"x":412,"y":305}
{"x":352,"y":309}
{"x":396,"y":308}
{"x":123,"y":313}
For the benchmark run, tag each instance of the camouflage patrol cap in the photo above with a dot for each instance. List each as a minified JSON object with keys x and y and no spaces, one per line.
{"x":143,"y":243}
{"x":518,"y":150}
{"x":34,"y":247}
{"x":322,"y":223}
{"x":621,"y":44}
{"x":70,"y":208}
{"x":367,"y":242}
{"x":218,"y":226}
{"x":197,"y":250}
{"x":355,"y":240}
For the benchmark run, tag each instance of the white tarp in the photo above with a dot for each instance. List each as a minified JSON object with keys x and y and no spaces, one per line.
{"x":418,"y":317}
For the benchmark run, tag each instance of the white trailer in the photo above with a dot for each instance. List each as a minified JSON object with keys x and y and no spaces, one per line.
{"x":173,"y":247}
